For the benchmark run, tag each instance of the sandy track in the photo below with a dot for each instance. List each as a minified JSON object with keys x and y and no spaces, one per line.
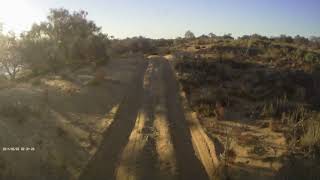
{"x":135,"y":162}
{"x":149,"y":153}
{"x":129,"y":162}
{"x":164,"y":145}
{"x":103,"y":163}
{"x":202,"y":144}
{"x":154,"y":136}
{"x":204,"y":147}
{"x":189,"y":166}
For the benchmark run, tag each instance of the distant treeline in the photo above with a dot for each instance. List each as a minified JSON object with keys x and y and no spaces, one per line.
{"x":69,"y":40}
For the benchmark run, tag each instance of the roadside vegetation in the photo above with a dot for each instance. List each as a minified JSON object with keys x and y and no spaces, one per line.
{"x":269,"y":84}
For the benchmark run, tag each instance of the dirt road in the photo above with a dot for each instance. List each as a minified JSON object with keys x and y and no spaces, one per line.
{"x":154,"y":135}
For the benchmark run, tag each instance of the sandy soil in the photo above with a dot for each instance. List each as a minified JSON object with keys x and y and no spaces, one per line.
{"x":135,"y":125}
{"x":62,"y":117}
{"x":152,"y":136}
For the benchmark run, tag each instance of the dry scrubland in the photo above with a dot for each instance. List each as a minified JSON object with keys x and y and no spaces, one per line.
{"x":208,"y":107}
{"x":270,"y":88}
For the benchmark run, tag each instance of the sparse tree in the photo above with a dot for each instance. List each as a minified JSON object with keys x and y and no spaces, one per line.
{"x":228,"y":36}
{"x":301,"y":40}
{"x":64,"y":39}
{"x":211,"y":35}
{"x":189,"y":35}
{"x":284,"y":38}
{"x":10,"y":58}
{"x":203,"y":36}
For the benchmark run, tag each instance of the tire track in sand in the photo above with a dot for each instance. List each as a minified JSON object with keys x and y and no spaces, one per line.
{"x":166,"y":156}
{"x":102,"y":165}
{"x":189,"y":166}
{"x":149,"y":153}
{"x":203,"y":146}
{"x":134,"y":164}
{"x":166,"y":142}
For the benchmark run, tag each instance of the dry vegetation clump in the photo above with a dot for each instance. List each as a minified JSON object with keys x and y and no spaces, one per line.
{"x":270,"y":85}
{"x":311,"y":137}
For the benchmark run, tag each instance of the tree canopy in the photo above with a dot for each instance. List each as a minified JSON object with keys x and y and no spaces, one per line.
{"x":189,"y":35}
{"x":65,"y":38}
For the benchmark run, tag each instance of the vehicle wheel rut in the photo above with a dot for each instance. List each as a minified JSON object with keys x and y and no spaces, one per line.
{"x":153,"y":136}
{"x":103,"y":163}
{"x":189,"y":166}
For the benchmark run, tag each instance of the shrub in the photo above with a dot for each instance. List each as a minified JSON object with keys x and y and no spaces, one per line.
{"x":228,"y":55}
{"x":311,"y":57}
{"x":189,"y":35}
{"x":276,"y":107}
{"x":311,"y":137}
{"x":65,"y":39}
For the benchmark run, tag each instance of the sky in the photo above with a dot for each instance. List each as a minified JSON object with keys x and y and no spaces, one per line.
{"x":172,"y":18}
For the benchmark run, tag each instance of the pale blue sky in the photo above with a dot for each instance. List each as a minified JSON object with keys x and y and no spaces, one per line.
{"x":171,"y":18}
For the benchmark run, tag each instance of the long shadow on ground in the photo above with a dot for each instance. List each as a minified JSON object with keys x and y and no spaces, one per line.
{"x":189,"y":166}
{"x":103,"y":163}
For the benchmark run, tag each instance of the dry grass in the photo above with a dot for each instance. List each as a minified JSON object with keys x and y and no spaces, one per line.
{"x":311,"y":137}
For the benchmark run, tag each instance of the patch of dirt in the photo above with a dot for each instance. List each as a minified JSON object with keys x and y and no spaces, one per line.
{"x":257,"y":148}
{"x":151,"y":137}
{"x":62,"y":118}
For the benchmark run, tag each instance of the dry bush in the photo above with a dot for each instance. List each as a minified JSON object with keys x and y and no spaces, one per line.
{"x":298,"y":114}
{"x":304,"y":135}
{"x":228,"y":55}
{"x":311,"y":137}
{"x":228,"y":156}
{"x":204,"y":110}
{"x":276,"y":107}
{"x":291,"y":119}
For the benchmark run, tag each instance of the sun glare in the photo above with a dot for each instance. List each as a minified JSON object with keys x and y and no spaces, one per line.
{"x":17,"y":15}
